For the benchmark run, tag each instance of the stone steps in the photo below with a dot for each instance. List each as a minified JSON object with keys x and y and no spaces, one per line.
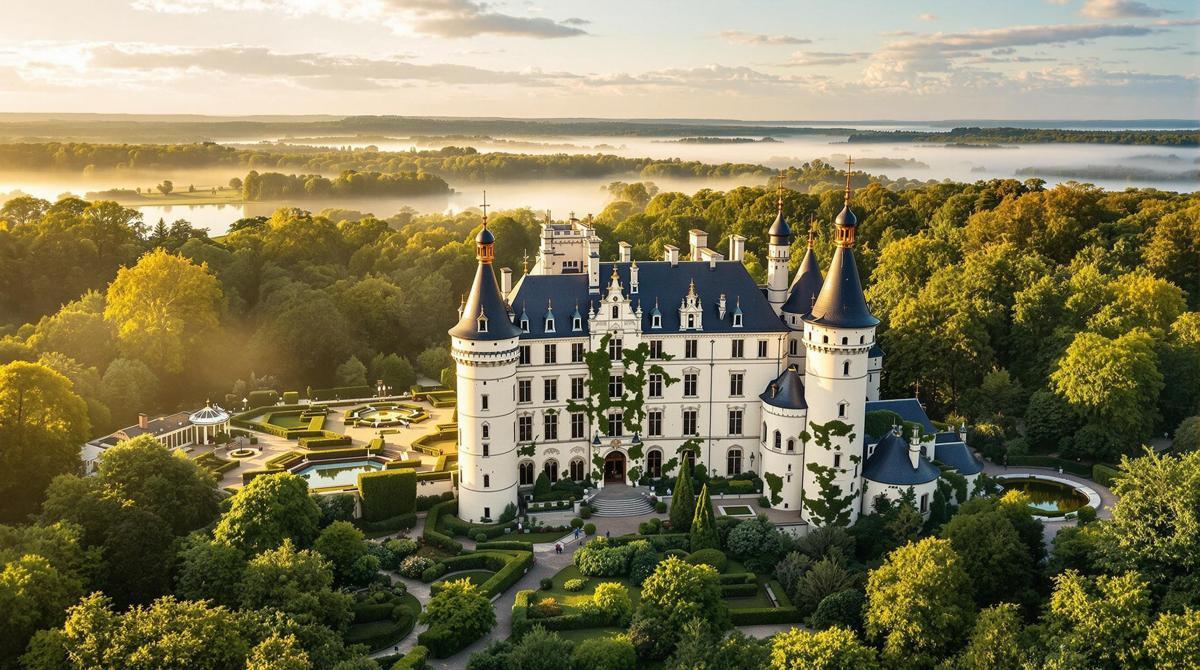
{"x":621,"y":506}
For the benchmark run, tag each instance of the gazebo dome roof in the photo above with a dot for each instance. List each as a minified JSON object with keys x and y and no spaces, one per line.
{"x":209,"y":415}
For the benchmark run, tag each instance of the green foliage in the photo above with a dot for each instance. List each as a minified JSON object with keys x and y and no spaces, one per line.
{"x":270,"y":509}
{"x":612,"y":599}
{"x":209,"y":570}
{"x":387,"y":493}
{"x":704,"y":530}
{"x":992,"y":552}
{"x":711,"y":557}
{"x":757,"y":543}
{"x":829,"y":507}
{"x":683,"y":502}
{"x":298,"y":583}
{"x":457,"y":615}
{"x":601,"y":558}
{"x":1105,"y":475}
{"x":541,"y":485}
{"x":604,"y":653}
{"x":775,"y":482}
{"x":678,"y":592}
{"x":1099,"y":623}
{"x":1173,"y":642}
{"x":539,"y":649}
{"x":343,"y":546}
{"x":825,"y":578}
{"x":832,"y":649}
{"x":997,"y":642}
{"x":843,"y":609}
{"x":1187,"y":435}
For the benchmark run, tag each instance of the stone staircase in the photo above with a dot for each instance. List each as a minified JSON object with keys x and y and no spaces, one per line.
{"x":620,"y":501}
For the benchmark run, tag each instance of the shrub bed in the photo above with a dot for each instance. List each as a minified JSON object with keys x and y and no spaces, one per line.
{"x":739,"y":590}
{"x":326,"y":441}
{"x":426,"y":502}
{"x":215,"y":464}
{"x":511,"y":545}
{"x":340,"y":392}
{"x":387,"y":493}
{"x":413,"y":660}
{"x":390,"y":524}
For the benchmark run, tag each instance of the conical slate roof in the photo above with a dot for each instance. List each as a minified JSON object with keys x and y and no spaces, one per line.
{"x":890,"y":464}
{"x":841,"y":303}
{"x":806,"y":287}
{"x":485,"y":299}
{"x":779,"y":231}
{"x":787,"y":391}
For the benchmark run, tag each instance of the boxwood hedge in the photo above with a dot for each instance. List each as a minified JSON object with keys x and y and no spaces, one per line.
{"x":387,"y":493}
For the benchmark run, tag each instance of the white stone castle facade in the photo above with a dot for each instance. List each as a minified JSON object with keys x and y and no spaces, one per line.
{"x":773,"y":379}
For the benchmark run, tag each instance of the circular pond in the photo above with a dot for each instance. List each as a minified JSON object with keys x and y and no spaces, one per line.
{"x":336,"y":474}
{"x":1047,"y":498}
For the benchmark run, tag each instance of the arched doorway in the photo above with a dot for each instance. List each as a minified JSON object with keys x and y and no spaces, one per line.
{"x":614,"y":468}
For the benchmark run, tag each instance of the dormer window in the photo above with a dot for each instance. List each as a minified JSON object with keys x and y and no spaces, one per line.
{"x":691,"y":321}
{"x":737,"y":320}
{"x":616,"y":312}
{"x":525,"y":325}
{"x":656,"y":321}
{"x":577,"y":324}
{"x":549,"y":325}
{"x":482,"y":324}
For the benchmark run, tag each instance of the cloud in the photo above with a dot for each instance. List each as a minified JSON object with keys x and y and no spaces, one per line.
{"x":928,"y":16}
{"x":1118,"y":9}
{"x":439,"y":18}
{"x":742,"y":37}
{"x":812,"y":58}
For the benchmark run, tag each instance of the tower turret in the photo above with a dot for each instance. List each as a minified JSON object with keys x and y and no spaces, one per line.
{"x":779,"y":239}
{"x":839,"y":332}
{"x":802,"y":295}
{"x":484,"y":346}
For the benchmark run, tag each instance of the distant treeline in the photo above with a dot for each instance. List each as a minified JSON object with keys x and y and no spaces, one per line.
{"x":277,"y":186}
{"x":449,"y":162}
{"x":1188,"y":138}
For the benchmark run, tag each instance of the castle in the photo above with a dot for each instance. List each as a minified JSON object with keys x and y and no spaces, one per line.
{"x":627,"y":370}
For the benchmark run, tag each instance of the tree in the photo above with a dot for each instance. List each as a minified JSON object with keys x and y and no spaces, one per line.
{"x":603,"y":653}
{"x":996,"y":642}
{"x":43,"y":422}
{"x":1173,"y":642}
{"x":831,"y":649}
{"x":235,"y":183}
{"x":166,"y":484}
{"x":843,"y":609}
{"x":33,"y":595}
{"x":1099,"y":623}
{"x":209,"y":570}
{"x":1187,"y":435}
{"x":997,"y":395}
{"x":700,"y":648}
{"x":992,"y":553}
{"x":1113,"y":383}
{"x":297,"y":583}
{"x":918,"y":603}
{"x":165,"y":187}
{"x":756,"y":542}
{"x":395,"y":371}
{"x":342,"y":545}
{"x":683,"y":502}
{"x":278,"y":652}
{"x":433,"y":360}
{"x":825,"y":578}
{"x":612,"y":598}
{"x":164,"y":309}
{"x":461,"y":609}
{"x":129,"y":387}
{"x":1048,"y":419}
{"x":539,"y":649}
{"x":268,"y":510}
{"x":704,"y":530}
{"x":352,"y":373}
{"x":678,"y":592}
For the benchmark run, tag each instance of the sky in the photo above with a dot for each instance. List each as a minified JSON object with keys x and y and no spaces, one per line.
{"x":744,"y":59}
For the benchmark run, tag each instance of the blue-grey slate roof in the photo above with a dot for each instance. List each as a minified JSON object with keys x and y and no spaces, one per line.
{"x":909,"y":409}
{"x":780,"y":233}
{"x":657,"y":280}
{"x":485,"y":296}
{"x":948,"y":448}
{"x":876,"y":351}
{"x":787,"y":391}
{"x":890,"y":464}
{"x":841,"y":303}
{"x":807,"y":286}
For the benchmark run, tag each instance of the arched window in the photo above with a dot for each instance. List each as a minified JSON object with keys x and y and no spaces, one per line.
{"x":778,"y":440}
{"x":846,"y":368}
{"x":733,"y":462}
{"x":616,"y":312}
{"x":551,"y":470}
{"x":845,"y":340}
{"x":763,"y":437}
{"x":791,"y":445}
{"x":525,"y":470}
{"x":654,"y":463}
{"x":487,"y":481}
{"x":576,"y":469}
{"x":486,"y":431}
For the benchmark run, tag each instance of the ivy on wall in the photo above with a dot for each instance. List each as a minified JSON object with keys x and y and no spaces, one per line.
{"x":829,"y":507}
{"x":775,"y":485}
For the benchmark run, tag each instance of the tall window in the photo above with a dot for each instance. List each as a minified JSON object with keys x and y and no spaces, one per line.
{"x":616,"y":426}
{"x":616,"y":312}
{"x":738,"y":350}
{"x":487,"y":481}
{"x":842,"y":409}
{"x":577,"y":388}
{"x":577,"y":352}
{"x":689,"y":348}
{"x":736,"y":384}
{"x":778,"y":440}
{"x":577,"y":425}
{"x":551,"y":470}
{"x":654,"y":419}
{"x":614,"y":349}
{"x":656,"y":385}
{"x":616,"y":386}
{"x":792,"y":347}
{"x":733,"y":462}
{"x":735,"y":422}
{"x":576,"y":469}
{"x":763,"y":435}
{"x":689,"y":384}
{"x":550,"y":388}
{"x":550,"y":426}
{"x":762,"y":348}
{"x":524,"y":390}
{"x":654,"y":463}
{"x":656,"y":349}
{"x":791,"y":445}
{"x":550,"y":351}
{"x":690,"y":425}
{"x":525,"y":470}
{"x":577,"y":324}
{"x":846,"y":368}
{"x":524,"y":351}
{"x":656,"y":321}
{"x":549,"y":325}
{"x":483,"y":402}
{"x":525,"y":428}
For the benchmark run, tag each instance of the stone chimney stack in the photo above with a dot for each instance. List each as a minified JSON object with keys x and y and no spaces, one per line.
{"x":626,"y":251}
{"x":633,"y":277}
{"x":143,"y":421}
{"x":737,"y":248}
{"x":721,"y":311}
{"x":506,"y":281}
{"x":671,"y":254}
{"x":697,"y":240}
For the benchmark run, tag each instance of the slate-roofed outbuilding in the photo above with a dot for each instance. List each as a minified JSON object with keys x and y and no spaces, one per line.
{"x":948,"y":448}
{"x":890,"y":464}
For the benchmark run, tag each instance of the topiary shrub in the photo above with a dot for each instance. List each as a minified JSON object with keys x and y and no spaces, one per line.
{"x":413,"y":566}
{"x":577,"y":522}
{"x":546,"y":583}
{"x":613,"y":600}
{"x":574,"y":585}
{"x":714,"y":557}
{"x":481,"y":537}
{"x":605,"y":653}
{"x":291,"y":397}
{"x":545,"y":608}
{"x":433,"y":572}
{"x":387,"y":493}
{"x":589,"y":528}
{"x":678,"y":553}
{"x":764,"y":502}
{"x":1086,"y":515}
{"x":601,"y":558}
{"x":843,"y":608}
{"x":660,"y":506}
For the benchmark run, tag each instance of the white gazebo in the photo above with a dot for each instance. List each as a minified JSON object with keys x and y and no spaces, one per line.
{"x":208,"y":422}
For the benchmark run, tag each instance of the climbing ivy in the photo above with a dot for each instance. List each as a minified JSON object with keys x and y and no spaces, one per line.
{"x":596,"y":404}
{"x":829,"y":507}
{"x":527,"y":450}
{"x":775,"y":484}
{"x":597,"y":467}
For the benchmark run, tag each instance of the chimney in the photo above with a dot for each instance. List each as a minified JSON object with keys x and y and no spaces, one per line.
{"x":737,"y":248}
{"x":697,"y":240}
{"x":721,"y":306}
{"x":506,"y":281}
{"x":671,"y":254}
{"x":914,"y":453}
{"x":594,"y":273}
{"x":626,"y":251}
{"x":633,"y":277}
{"x":143,"y":421}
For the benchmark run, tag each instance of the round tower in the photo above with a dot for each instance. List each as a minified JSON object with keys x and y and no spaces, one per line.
{"x":484,"y":345}
{"x":781,"y":447}
{"x":802,"y":295}
{"x":838,"y":335}
{"x":779,"y":238}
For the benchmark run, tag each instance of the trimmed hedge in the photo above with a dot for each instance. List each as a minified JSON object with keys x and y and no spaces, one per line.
{"x":326,"y":441}
{"x":413,"y":660}
{"x":387,"y":493}
{"x":398,"y":522}
{"x":510,"y":574}
{"x":284,"y":461}
{"x":441,"y":641}
{"x":262,"y":399}
{"x":511,"y":545}
{"x":215,"y":464}
{"x":739,"y":590}
{"x":435,"y":537}
{"x":336,"y":454}
{"x":456,"y":526}
{"x":340,"y":392}
{"x":738,"y":578}
{"x":749,"y":616}
{"x":413,"y":463}
{"x":1105,"y":475}
{"x":424,"y":503}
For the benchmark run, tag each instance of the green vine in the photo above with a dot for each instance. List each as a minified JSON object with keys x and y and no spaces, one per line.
{"x":597,"y":467}
{"x":633,"y":379}
{"x":829,"y":507}
{"x":527,"y":450}
{"x":775,"y":484}
{"x":635,"y":473}
{"x":669,"y":466}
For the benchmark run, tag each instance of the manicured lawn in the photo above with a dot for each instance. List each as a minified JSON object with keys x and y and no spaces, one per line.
{"x":476,"y":577}
{"x":759,"y":599}
{"x":536,"y":537}
{"x":287,"y":421}
{"x":570,"y":599}
{"x":737,"y":510}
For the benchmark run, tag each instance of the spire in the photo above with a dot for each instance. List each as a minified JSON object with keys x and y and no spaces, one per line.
{"x":846,"y":220}
{"x":485,"y":241}
{"x":841,"y":303}
{"x":812,"y":233}
{"x":849,"y":168}
{"x":779,"y":199}
{"x":779,"y":233}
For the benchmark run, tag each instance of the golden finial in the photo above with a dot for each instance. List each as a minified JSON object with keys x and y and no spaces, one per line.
{"x":849,"y":169}
{"x":484,"y":207}
{"x":779,"y":198}
{"x":524,"y":261}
